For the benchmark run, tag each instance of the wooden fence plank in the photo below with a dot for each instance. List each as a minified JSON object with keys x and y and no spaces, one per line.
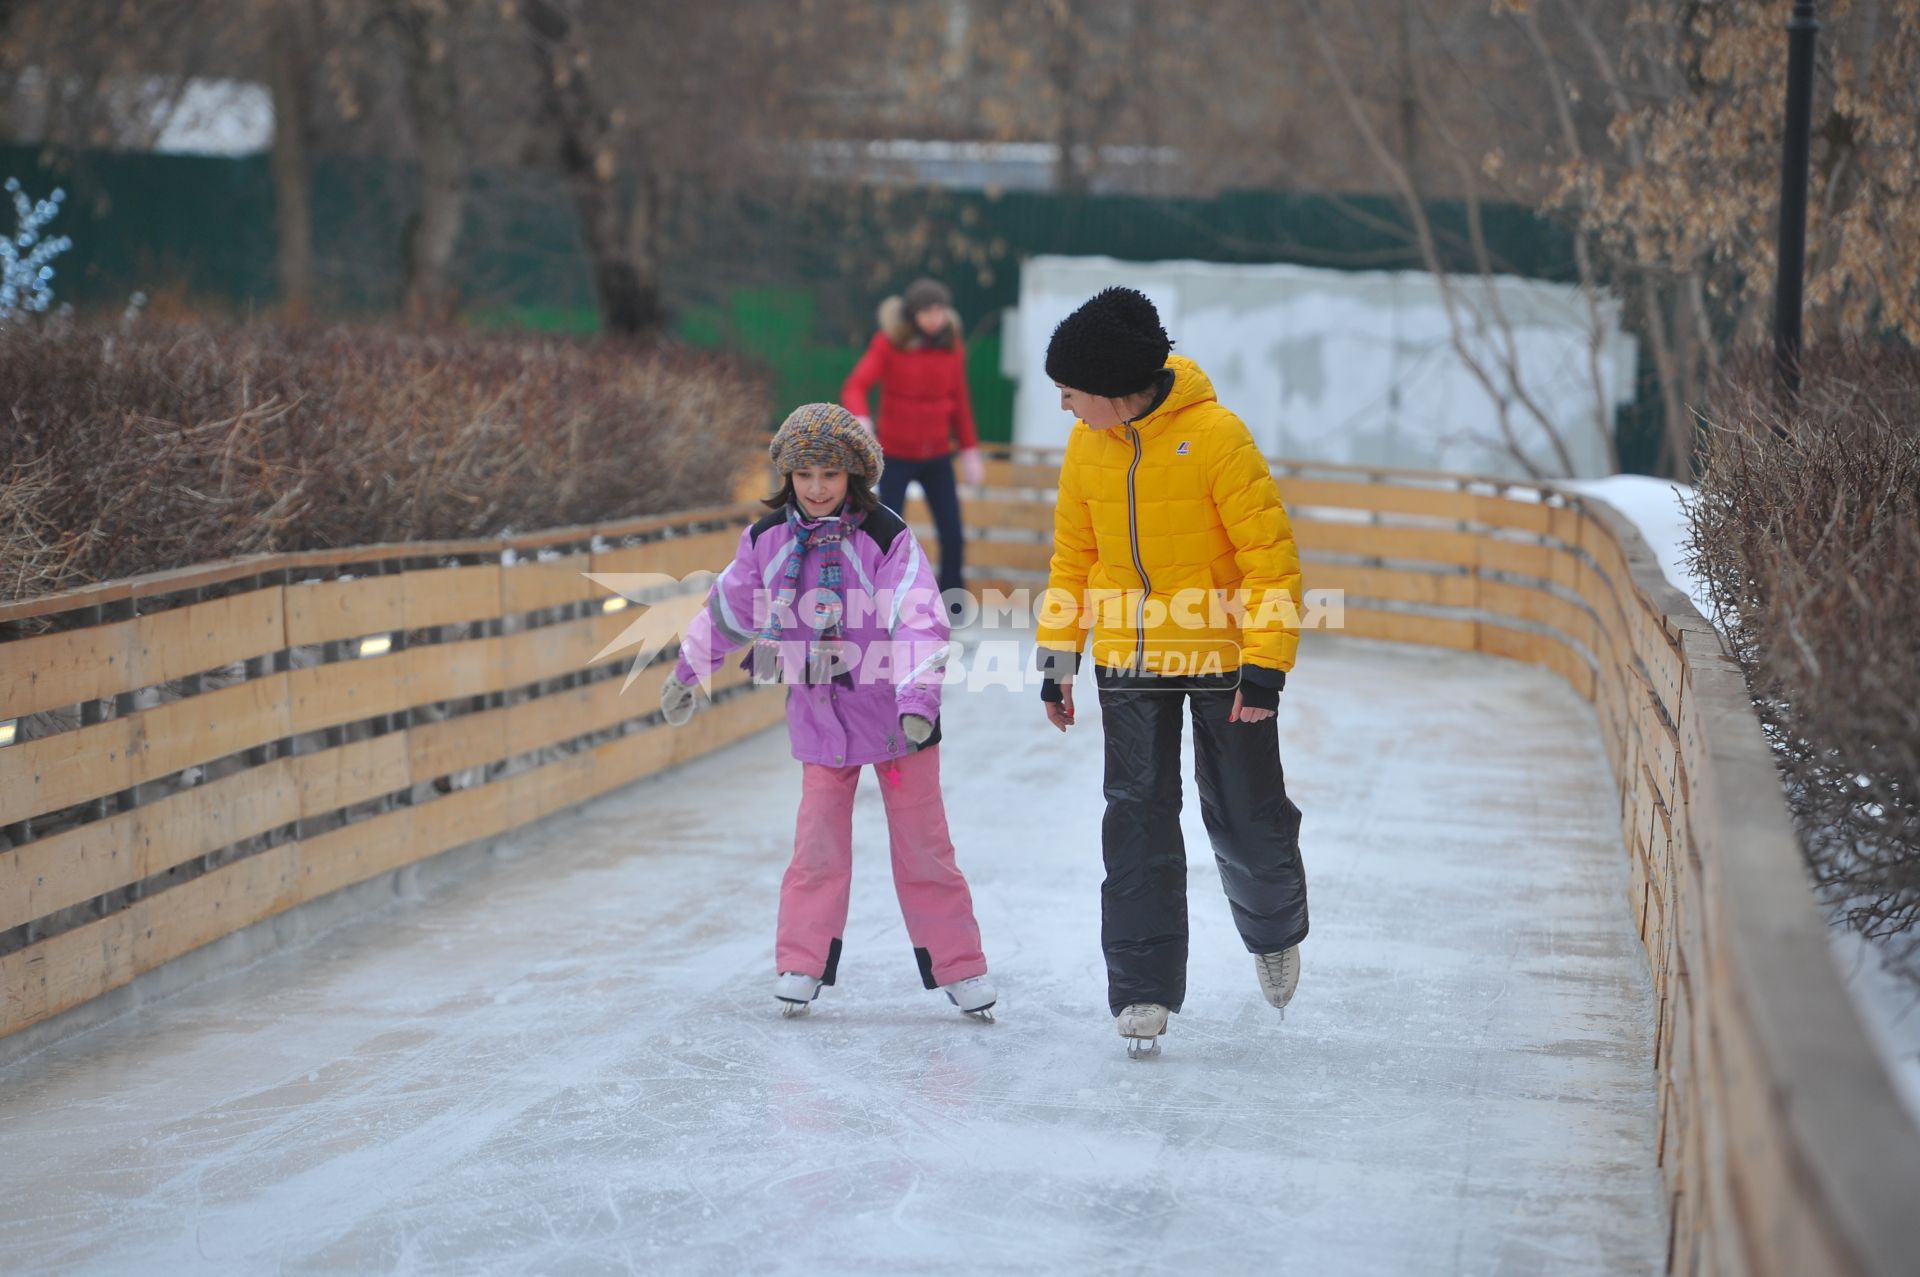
{"x":988,"y":512}
{"x":1503,"y":512}
{"x":1409,"y":627}
{"x":453,"y":745}
{"x":353,"y":853}
{"x":73,"y":967}
{"x":448,"y":671}
{"x":323,"y":611}
{"x":1537,"y":648}
{"x":1542,"y":607}
{"x":216,"y":904}
{"x":350,"y":690}
{"x":193,"y":822}
{"x":1520,"y":645}
{"x":1437,"y":503}
{"x":40,"y":776}
{"x":1042,"y":475}
{"x":1518,"y":558}
{"x":450,"y":596}
{"x":681,"y":556}
{"x":199,"y":729}
{"x":1424,"y":545}
{"x":327,"y":780}
{"x":51,"y":671}
{"x":533,"y":656}
{"x":997,"y":555}
{"x":66,"y":869}
{"x":533,"y":586}
{"x":207,"y":636}
{"x":1408,"y":585}
{"x":464,"y":816}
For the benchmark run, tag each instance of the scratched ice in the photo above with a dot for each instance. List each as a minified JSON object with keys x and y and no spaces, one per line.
{"x":570,"y":1063}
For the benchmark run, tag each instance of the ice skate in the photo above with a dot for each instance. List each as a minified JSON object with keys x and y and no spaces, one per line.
{"x":1142,"y":1024}
{"x":1279,"y":976}
{"x":796,"y":993}
{"x":974,"y":995}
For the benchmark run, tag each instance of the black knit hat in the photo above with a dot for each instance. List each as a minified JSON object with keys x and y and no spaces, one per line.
{"x":1112,"y":346}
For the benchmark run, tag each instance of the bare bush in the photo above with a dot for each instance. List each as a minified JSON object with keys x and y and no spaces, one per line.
{"x":130,"y":452}
{"x":1807,"y":529}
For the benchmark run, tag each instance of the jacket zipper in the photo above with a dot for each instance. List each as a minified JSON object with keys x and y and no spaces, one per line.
{"x":1133,"y":538}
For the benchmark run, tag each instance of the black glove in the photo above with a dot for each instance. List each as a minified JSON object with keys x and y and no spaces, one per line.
{"x":1260,"y":687}
{"x":1055,"y":665}
{"x":1254,"y":696}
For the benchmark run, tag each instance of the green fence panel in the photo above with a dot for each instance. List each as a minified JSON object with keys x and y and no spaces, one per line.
{"x":788,"y":277}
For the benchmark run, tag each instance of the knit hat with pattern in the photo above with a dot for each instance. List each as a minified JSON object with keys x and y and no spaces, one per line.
{"x":1112,"y":346}
{"x":825,"y":435}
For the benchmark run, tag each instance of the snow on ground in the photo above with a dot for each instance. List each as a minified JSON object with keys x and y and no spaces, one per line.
{"x":1888,"y":1001}
{"x":571,"y":1062}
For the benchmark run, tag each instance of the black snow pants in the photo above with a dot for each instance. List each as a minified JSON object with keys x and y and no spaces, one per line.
{"x":935,"y":477}
{"x":1254,"y":829}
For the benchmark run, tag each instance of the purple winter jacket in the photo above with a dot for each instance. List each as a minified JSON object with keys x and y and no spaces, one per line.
{"x":893,"y":647}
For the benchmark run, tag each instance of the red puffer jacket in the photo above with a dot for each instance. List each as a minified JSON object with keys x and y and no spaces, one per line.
{"x":924,"y":409}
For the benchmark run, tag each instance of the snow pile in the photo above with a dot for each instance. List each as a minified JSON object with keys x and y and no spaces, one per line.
{"x":1359,"y":367}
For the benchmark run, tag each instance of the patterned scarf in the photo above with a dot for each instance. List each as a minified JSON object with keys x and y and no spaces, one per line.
{"x":823,"y":535}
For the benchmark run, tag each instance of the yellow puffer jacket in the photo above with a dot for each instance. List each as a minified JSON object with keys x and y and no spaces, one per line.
{"x":1160,"y":529}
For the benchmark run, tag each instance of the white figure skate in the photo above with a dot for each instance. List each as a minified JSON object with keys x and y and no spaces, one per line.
{"x":796,"y":993}
{"x":1142,"y":1025}
{"x":1279,"y":976}
{"x":974,"y":995}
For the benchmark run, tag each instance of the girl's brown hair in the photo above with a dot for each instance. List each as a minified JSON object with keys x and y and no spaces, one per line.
{"x":860,"y":495}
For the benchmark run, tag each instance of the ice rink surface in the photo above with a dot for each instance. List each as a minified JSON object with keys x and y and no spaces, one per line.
{"x":571,"y":1062}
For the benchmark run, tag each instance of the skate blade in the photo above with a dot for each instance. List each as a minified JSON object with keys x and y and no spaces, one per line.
{"x":794,"y":1010}
{"x":984,"y":1015}
{"x":1142,"y":1048}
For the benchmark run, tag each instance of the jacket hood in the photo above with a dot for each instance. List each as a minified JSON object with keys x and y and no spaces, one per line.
{"x":900,"y":330}
{"x":1190,"y":386}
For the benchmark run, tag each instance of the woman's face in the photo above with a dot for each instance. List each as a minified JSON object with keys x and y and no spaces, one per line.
{"x":820,"y":490}
{"x":1098,"y":411}
{"x":930,"y":320}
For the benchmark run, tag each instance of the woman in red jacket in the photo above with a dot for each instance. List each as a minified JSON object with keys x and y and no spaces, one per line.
{"x":925,"y":416}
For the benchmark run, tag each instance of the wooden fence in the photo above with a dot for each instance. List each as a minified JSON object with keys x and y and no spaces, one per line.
{"x":1784,"y":1147}
{"x":196,"y":751}
{"x":200,"y":750}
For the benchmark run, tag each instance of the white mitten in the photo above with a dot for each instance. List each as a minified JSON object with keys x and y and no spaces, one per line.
{"x":917,"y":728}
{"x":676,"y":701}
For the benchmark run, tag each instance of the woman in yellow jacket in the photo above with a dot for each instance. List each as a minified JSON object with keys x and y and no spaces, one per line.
{"x":1173,"y":551}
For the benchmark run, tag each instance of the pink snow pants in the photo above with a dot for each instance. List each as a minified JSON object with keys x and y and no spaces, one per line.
{"x":933,"y":893}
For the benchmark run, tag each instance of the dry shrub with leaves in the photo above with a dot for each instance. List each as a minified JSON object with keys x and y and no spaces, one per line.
{"x":124,"y":452}
{"x":1807,"y":529}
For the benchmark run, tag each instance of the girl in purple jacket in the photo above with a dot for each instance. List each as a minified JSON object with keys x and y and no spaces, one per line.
{"x":833,"y":597}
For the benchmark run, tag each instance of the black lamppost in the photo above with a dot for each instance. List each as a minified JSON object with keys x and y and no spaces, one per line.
{"x":1789,"y":287}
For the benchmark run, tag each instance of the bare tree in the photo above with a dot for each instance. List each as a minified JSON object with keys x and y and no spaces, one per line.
{"x":427,"y":36}
{"x":613,"y":215}
{"x":293,"y":34}
{"x":1481,"y":334}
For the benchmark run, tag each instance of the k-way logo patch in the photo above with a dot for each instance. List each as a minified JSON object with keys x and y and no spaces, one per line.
{"x":1182,"y":449}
